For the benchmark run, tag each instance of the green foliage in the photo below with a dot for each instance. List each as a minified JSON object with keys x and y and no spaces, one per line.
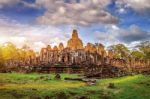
{"x":9,"y":51}
{"x":26,"y":86}
{"x":144,"y":47}
{"x":1,"y":58}
{"x":137,"y":54}
{"x":141,"y":51}
{"x":120,"y":51}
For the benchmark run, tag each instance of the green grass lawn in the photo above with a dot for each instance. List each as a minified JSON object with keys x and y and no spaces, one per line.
{"x":44,"y":86}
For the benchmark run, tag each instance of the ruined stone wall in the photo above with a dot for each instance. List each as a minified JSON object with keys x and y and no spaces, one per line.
{"x":76,"y":54}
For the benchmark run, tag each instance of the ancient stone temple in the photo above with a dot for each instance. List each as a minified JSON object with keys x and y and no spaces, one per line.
{"x":49,"y":48}
{"x":101,"y":50}
{"x":61,"y":47}
{"x":55,"y":48}
{"x":75,"y":42}
{"x":110,"y":54}
{"x":90,"y":48}
{"x":74,"y":58}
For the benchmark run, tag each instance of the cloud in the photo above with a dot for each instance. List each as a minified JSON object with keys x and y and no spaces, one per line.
{"x":85,"y":12}
{"x":7,"y":2}
{"x":108,"y":37}
{"x":24,"y":3}
{"x":69,"y":12}
{"x":129,"y":36}
{"x":38,"y":45}
{"x":133,"y":33}
{"x":133,"y":44}
{"x":137,"y":5}
{"x":121,"y":10}
{"x":33,"y":35}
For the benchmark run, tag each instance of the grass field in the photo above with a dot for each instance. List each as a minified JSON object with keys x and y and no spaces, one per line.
{"x":44,"y":86}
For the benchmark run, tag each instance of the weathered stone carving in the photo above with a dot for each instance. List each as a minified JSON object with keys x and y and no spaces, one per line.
{"x":55,"y":48}
{"x":75,"y":43}
{"x":61,"y":47}
{"x":101,"y":50}
{"x":49,"y":48}
{"x":90,"y":48}
{"x":75,"y":55}
{"x":110,"y":54}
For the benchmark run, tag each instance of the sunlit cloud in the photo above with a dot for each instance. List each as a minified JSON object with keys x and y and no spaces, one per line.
{"x":42,"y":22}
{"x":137,"y":5}
{"x":84,"y":12}
{"x":115,"y":35}
{"x":34,"y":36}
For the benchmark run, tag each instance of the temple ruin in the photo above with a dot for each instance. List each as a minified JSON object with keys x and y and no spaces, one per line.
{"x":75,"y":58}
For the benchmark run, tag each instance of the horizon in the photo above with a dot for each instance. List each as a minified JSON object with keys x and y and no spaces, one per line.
{"x":49,"y":22}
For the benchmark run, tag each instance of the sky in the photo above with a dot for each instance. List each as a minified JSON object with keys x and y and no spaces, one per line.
{"x":38,"y":23}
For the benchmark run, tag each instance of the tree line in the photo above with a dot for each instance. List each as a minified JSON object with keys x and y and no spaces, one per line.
{"x":9,"y":51}
{"x":140,"y":51}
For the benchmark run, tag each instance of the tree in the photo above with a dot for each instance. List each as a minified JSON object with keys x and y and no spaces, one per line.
{"x":1,"y":59}
{"x":120,"y":51}
{"x":144,"y":47}
{"x":137,"y":54}
{"x":9,"y":51}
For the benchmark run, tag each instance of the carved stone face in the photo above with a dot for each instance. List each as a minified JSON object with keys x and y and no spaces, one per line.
{"x":74,"y":34}
{"x":61,"y":46}
{"x":48,"y":47}
{"x":55,"y":48}
{"x":75,"y":43}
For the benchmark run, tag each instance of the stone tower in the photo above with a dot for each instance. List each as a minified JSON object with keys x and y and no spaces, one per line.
{"x":75,"y":42}
{"x":90,"y":48}
{"x":61,"y":46}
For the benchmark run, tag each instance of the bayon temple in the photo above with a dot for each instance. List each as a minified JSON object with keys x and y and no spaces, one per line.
{"x":74,"y":53}
{"x":74,"y":58}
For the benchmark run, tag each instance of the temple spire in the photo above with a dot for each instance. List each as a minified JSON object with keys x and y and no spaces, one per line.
{"x":75,"y":42}
{"x":75,"y":34}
